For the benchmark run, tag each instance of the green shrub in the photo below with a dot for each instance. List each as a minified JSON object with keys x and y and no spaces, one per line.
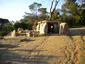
{"x":3,"y":33}
{"x":7,"y":27}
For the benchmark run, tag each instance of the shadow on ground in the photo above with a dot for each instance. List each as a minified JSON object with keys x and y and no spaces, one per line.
{"x":26,"y":40}
{"x":77,"y":31}
{"x":9,"y":57}
{"x":7,"y":46}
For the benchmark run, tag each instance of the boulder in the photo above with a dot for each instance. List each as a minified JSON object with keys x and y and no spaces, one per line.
{"x":20,"y":30}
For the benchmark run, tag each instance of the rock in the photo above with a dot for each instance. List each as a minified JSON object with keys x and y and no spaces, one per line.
{"x":28,"y":34}
{"x":13,"y":33}
{"x":63,"y":29}
{"x":20,"y":30}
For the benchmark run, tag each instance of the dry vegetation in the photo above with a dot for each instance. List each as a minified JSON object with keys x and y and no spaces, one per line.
{"x":54,"y":49}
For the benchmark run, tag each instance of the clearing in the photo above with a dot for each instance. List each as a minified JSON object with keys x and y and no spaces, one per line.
{"x":52,"y":49}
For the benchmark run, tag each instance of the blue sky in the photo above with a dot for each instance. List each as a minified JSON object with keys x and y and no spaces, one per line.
{"x":14,"y":9}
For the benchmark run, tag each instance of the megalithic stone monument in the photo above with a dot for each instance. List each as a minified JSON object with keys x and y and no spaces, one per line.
{"x":13,"y":34}
{"x":63,"y":28}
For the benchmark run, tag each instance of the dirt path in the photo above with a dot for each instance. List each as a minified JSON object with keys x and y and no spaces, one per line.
{"x":52,"y":49}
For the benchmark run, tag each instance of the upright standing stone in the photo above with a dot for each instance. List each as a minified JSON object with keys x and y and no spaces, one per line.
{"x":13,"y":34}
{"x":43,"y":28}
{"x":63,"y":29}
{"x":28,"y":34}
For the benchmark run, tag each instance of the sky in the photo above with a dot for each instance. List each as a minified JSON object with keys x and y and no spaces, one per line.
{"x":13,"y":10}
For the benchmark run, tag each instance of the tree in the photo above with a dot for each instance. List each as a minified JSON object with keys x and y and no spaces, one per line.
{"x":70,"y":7}
{"x":16,"y":25}
{"x":76,"y":11}
{"x":52,"y":12}
{"x":31,"y":18}
{"x":80,"y":18}
{"x":34,"y":8}
{"x":70,"y":10}
{"x":3,"y":21}
{"x":69,"y":20}
{"x":43,"y":13}
{"x":25,"y":25}
{"x":7,"y":28}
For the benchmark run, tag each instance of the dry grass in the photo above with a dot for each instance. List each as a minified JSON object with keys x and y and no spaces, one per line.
{"x":80,"y":49}
{"x":46,"y":50}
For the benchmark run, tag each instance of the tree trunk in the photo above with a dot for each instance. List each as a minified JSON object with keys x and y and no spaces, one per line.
{"x":52,"y":11}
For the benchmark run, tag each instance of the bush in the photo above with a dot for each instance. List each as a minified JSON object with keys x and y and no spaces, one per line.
{"x":3,"y":33}
{"x":7,"y":27}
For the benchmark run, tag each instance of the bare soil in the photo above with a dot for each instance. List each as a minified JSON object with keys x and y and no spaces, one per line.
{"x":53,"y":49}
